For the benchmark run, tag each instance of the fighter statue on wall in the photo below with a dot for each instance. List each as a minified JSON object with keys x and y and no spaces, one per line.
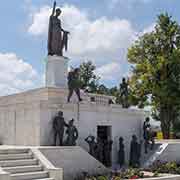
{"x":57,"y":36}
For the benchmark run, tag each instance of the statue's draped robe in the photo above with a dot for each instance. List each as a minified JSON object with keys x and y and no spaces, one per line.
{"x":54,"y":36}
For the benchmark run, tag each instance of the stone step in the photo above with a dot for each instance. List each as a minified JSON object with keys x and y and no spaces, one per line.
{"x":30,"y":176}
{"x":15,"y":156}
{"x":23,"y":169}
{"x":13,"y":151}
{"x":14,"y":163}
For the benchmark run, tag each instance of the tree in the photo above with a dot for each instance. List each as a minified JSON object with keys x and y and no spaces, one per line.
{"x":102,"y":89}
{"x":156,"y":70}
{"x":88,"y":78}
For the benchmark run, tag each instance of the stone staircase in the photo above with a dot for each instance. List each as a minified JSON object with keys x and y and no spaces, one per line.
{"x":22,"y":165}
{"x":149,"y":158}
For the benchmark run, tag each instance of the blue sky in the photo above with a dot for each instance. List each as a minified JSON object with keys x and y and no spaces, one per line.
{"x":101,"y":31}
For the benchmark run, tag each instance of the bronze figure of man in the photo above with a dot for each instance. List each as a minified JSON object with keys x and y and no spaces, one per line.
{"x":72,"y":134}
{"x":92,"y":145}
{"x":73,"y":84}
{"x":56,"y":39}
{"x":58,"y":126}
{"x":124,"y":92}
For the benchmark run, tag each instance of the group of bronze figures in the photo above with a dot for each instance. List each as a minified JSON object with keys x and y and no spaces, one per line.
{"x":100,"y":149}
{"x":59,"y":126}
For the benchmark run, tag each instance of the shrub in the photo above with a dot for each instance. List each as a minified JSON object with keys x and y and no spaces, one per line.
{"x":165,"y":167}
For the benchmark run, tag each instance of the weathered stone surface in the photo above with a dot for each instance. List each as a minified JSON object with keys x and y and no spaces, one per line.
{"x":56,"y":71}
{"x":73,"y":161}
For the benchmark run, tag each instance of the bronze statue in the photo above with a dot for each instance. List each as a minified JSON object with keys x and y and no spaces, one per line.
{"x":135,"y":153}
{"x":73,"y":84}
{"x":58,"y":127}
{"x":72,"y":134}
{"x":99,"y":150}
{"x":57,"y":36}
{"x":148,"y":135}
{"x":107,"y":152}
{"x":92,"y":145}
{"x":121,"y":154}
{"x":124,"y":93}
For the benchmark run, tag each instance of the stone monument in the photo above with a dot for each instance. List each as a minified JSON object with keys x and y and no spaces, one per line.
{"x":57,"y":64}
{"x":32,"y":113}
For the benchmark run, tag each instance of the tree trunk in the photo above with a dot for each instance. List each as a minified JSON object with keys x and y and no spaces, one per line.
{"x":165,"y":117}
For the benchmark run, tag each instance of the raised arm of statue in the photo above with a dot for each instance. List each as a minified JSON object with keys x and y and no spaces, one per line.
{"x":54,"y":8}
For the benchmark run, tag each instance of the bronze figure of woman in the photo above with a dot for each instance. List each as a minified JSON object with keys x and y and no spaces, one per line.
{"x":56,"y":39}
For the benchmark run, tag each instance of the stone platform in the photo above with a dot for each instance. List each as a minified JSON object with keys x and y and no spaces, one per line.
{"x":26,"y":118}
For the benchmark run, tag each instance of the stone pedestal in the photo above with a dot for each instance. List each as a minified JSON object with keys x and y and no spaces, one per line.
{"x":56,"y":71}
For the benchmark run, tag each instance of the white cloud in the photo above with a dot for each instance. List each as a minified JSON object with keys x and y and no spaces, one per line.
{"x":125,"y":3}
{"x":104,"y":41}
{"x":109,"y":71}
{"x":101,"y":37}
{"x":130,"y":1}
{"x":40,"y":21}
{"x":16,"y":75}
{"x":149,"y":28}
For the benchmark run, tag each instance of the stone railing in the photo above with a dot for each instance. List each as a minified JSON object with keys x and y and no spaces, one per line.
{"x":101,"y":99}
{"x":55,"y":173}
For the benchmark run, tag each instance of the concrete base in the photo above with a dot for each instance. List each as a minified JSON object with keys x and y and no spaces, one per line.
{"x":56,"y":71}
{"x":26,"y":118}
{"x":74,"y":161}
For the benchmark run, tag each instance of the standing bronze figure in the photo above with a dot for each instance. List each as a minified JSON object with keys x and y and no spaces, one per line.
{"x":108,"y":152}
{"x":121,"y":153}
{"x":57,"y":36}
{"x":146,"y":133}
{"x":72,"y":134}
{"x":92,"y":145}
{"x":58,"y":126}
{"x":99,"y":150}
{"x":135,"y":153}
{"x":124,"y":93}
{"x":73,"y":84}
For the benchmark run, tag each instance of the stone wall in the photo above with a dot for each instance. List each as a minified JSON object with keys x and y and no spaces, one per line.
{"x":26,"y":118}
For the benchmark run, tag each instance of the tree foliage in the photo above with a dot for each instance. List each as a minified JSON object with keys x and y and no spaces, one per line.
{"x":156,"y":70}
{"x":88,"y":79}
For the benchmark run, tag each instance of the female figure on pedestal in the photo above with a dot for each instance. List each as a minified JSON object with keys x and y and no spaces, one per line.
{"x":56,"y":42}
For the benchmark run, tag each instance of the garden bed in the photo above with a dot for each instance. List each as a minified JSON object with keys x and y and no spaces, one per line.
{"x":159,"y":170}
{"x":132,"y":174}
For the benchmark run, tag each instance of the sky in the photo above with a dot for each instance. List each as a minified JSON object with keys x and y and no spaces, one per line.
{"x":101,"y":31}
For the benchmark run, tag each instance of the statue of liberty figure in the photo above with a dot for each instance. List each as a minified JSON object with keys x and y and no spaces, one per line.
{"x":57,"y":36}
